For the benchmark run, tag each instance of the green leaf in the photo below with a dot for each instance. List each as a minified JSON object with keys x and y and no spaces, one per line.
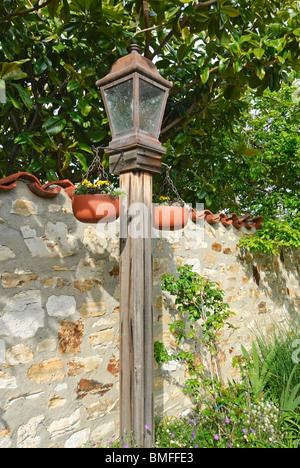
{"x":260,"y":71}
{"x":72,"y":85}
{"x":85,"y":147}
{"x":171,"y":12}
{"x":205,"y":75}
{"x":229,"y":11}
{"x":52,"y":7}
{"x":76,"y":118}
{"x":51,"y":175}
{"x":67,"y":161}
{"x":41,"y":64}
{"x":85,"y":107}
{"x":223,"y":64}
{"x":97,"y":134}
{"x":65,"y":12}
{"x":54,"y":125}
{"x":259,"y":53}
{"x":16,"y":103}
{"x":238,"y":66}
{"x":23,"y":138}
{"x":24,"y":96}
{"x":81,"y":158}
{"x":12,"y":71}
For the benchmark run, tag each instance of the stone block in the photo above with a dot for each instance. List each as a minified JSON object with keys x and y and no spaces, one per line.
{"x":70,"y":337}
{"x":5,"y":438}
{"x":79,"y":366}
{"x":61,"y":306}
{"x":216,"y":247}
{"x":114,"y":366}
{"x":78,"y":439}
{"x":24,"y":208}
{"x":2,"y":352}
{"x":18,"y":279}
{"x":48,"y":345}
{"x":23,"y":315}
{"x":104,"y":431}
{"x":102,"y":407}
{"x":161,"y":266}
{"x":46,"y":371}
{"x":210,"y":258}
{"x":60,"y":426}
{"x":27,"y":434}
{"x":102,"y":338}
{"x":19,"y":354}
{"x":91,"y":387}
{"x":93,"y":309}
{"x":56,"y":402}
{"x":7,"y":381}
{"x":6,"y":253}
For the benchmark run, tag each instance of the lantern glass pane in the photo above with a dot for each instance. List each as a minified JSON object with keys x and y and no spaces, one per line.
{"x":151,"y":107}
{"x":120,"y":106}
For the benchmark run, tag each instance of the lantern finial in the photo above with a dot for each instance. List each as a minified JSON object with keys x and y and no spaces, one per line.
{"x":134,"y":47}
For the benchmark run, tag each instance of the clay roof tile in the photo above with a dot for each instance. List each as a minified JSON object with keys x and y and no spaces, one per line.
{"x":49,"y":190}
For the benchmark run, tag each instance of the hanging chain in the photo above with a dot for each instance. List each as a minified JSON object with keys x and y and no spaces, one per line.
{"x":96,"y":165}
{"x":168,"y":182}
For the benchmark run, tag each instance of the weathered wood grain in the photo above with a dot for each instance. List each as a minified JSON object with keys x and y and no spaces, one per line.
{"x":136,"y":313}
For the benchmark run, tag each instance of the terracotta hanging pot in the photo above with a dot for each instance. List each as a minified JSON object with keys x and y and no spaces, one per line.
{"x":96,"y":208}
{"x":170,"y":218}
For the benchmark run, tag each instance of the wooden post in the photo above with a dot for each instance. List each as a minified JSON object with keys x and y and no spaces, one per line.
{"x":136,"y":312}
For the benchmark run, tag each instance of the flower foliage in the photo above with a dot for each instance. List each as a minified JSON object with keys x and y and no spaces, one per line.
{"x":100,"y":187}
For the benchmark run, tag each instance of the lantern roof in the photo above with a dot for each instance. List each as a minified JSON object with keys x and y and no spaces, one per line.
{"x":133,"y":63}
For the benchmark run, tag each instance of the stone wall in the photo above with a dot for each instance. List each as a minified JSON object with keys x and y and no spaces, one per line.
{"x":59,"y":316}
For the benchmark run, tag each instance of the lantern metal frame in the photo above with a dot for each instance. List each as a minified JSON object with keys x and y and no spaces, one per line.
{"x":141,"y":149}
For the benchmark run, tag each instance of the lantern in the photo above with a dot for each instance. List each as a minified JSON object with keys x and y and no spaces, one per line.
{"x":135,"y":97}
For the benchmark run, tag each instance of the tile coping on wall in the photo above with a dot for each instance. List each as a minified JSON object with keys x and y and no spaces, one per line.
{"x":51,"y":189}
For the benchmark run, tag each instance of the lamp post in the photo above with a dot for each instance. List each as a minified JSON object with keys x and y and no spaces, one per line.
{"x":135,"y":97}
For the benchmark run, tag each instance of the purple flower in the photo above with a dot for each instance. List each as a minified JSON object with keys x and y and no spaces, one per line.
{"x":196,"y":446}
{"x":193,"y":434}
{"x":230,"y":445}
{"x":110,"y":443}
{"x":125,"y":446}
{"x":245,"y":431}
{"x":252,"y":430}
{"x":172,"y":435}
{"x":147,"y":427}
{"x":227,"y":420}
{"x":216,"y":437}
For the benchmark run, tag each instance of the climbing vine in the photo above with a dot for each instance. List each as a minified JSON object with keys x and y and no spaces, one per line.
{"x":202,"y":313}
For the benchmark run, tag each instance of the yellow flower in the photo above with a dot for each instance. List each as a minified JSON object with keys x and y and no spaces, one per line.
{"x":103,"y":182}
{"x":86,"y":183}
{"x":164,"y":198}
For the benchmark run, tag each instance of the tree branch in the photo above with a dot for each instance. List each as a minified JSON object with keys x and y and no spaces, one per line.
{"x":205,"y":4}
{"x":14,"y":123}
{"x":147,"y":24}
{"x":162,"y":45}
{"x":30,"y":10}
{"x":179,"y":119}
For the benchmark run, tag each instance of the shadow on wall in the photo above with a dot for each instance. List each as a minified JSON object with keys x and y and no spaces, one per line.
{"x":277,"y":277}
